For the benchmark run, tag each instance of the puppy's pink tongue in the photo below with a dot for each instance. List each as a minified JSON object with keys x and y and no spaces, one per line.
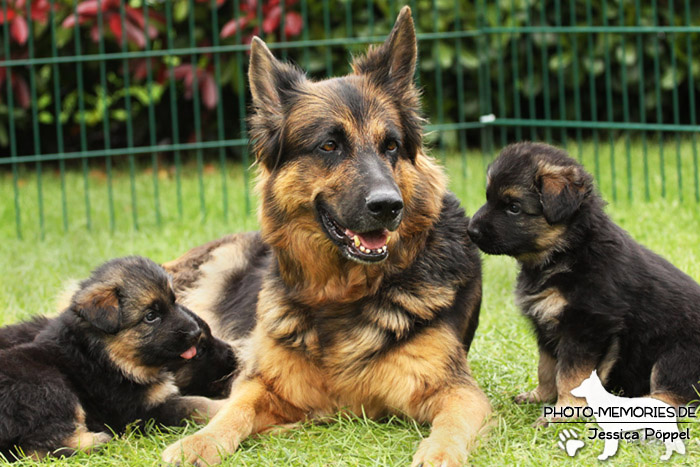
{"x":372,"y":240}
{"x":189,"y":353}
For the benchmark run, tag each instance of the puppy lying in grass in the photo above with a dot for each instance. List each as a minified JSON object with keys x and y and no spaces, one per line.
{"x":100,"y":365}
{"x":209,"y":372}
{"x":597,"y":299}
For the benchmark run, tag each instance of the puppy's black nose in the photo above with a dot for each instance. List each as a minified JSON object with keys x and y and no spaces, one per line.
{"x":193,"y":335}
{"x":385,"y":206}
{"x":474,"y":232}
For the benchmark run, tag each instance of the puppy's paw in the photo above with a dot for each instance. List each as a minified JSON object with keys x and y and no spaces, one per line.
{"x":432,"y":454}
{"x":199,"y":449}
{"x":529,"y":397}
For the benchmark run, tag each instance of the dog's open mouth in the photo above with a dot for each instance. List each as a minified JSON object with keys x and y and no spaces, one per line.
{"x":365,"y":247}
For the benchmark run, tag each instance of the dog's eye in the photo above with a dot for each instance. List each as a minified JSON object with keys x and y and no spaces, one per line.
{"x":151,"y":317}
{"x":392,"y":146}
{"x":513,"y":208}
{"x":329,"y":146}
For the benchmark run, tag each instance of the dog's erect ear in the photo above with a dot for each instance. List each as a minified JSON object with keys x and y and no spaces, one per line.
{"x":562,"y":190}
{"x":98,"y":304}
{"x":271,"y":84}
{"x":394,"y":62}
{"x":391,"y":66}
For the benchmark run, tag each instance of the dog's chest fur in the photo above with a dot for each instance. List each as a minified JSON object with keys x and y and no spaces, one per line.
{"x":541,"y":301}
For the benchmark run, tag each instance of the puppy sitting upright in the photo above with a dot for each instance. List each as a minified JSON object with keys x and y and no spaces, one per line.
{"x":100,"y":365}
{"x":597,"y":299}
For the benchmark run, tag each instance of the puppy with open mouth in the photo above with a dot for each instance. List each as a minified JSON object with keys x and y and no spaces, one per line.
{"x":100,"y":365}
{"x":597,"y":299}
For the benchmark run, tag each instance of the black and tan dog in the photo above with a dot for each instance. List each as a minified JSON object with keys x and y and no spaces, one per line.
{"x":100,"y":365}
{"x":362,"y":291}
{"x":209,"y":372}
{"x":597,"y":299}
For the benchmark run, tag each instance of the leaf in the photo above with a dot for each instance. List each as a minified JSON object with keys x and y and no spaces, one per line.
{"x":468,"y":59}
{"x":293,"y":24}
{"x":19,"y":30}
{"x":445,"y":54}
{"x":210,"y":94}
{"x":272,"y":20}
{"x":181,"y":10}
{"x":45,"y":117}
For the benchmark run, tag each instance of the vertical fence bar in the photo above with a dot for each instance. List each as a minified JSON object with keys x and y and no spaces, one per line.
{"x":105,"y":117}
{"x":327,"y":32}
{"x":57,"y":110}
{"x":438,"y":80}
{"x":197,"y":116}
{"x":608,"y":98}
{"x":676,"y":111}
{"x":151,"y":115}
{"x":174,"y":118}
{"x":129,"y":123}
{"x":560,"y":72}
{"x":516,"y":75}
{"x":219,"y":107}
{"x":642,"y":98}
{"x":577,"y":87}
{"x":592,"y":89}
{"x":81,"y":117}
{"x":35,"y":120}
{"x":370,"y":16}
{"x":659,"y":111}
{"x":625,"y":101}
{"x":691,"y":99}
{"x":530,"y":70}
{"x":11,"y":121}
{"x":305,"y":30}
{"x":283,"y":32}
{"x":241,"y":104}
{"x":545,"y":76}
{"x":482,"y":83}
{"x":462,"y":134}
{"x":501,"y":78}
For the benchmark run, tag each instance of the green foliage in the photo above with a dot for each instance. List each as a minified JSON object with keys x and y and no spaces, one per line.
{"x":504,"y":68}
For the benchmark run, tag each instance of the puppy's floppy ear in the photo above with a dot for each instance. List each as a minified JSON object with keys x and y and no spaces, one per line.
{"x":391,"y":66}
{"x":271,"y":84}
{"x":562,"y":190}
{"x":98,"y":304}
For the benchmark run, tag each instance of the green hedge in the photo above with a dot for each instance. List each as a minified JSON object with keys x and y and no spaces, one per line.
{"x":546,"y":63}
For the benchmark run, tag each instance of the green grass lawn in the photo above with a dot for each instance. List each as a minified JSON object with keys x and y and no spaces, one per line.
{"x":503,"y":355}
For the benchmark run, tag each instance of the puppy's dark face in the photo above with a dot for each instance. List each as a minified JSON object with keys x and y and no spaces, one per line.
{"x":129,"y":305}
{"x":334,"y":149}
{"x":533,"y":191}
{"x":211,"y":371}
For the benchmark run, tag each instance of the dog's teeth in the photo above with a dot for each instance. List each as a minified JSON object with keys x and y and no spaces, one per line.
{"x":356,"y":239}
{"x":384,"y":249}
{"x":363,"y":249}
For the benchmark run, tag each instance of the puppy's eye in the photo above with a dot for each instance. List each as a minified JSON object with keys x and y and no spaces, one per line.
{"x":151,"y":317}
{"x":391,"y":147}
{"x":513,"y":208}
{"x":329,"y":146}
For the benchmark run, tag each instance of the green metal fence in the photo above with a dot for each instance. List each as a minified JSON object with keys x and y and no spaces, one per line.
{"x":118,"y":86}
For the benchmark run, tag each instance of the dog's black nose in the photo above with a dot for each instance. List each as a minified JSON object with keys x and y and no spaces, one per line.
{"x":474,"y":232}
{"x":385,"y":206}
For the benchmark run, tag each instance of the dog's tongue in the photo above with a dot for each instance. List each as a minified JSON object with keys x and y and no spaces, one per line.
{"x":372,"y":240}
{"x":189,"y":353}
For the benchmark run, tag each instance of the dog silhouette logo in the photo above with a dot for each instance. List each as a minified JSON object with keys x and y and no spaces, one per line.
{"x":624,"y":417}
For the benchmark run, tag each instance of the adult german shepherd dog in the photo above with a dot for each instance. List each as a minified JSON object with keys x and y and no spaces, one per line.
{"x":362,"y":291}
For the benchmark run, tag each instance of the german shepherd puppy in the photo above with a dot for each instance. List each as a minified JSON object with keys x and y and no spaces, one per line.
{"x":209,"y":373}
{"x":100,"y":365}
{"x":362,"y":291}
{"x":597,"y":299}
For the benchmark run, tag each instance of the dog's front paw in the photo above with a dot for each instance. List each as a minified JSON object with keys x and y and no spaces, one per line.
{"x":201,"y":448}
{"x":432,"y":454}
